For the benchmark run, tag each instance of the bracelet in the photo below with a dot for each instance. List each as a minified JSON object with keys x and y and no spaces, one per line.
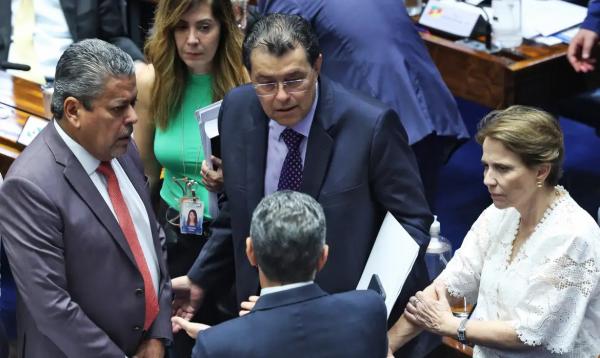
{"x":461,"y":332}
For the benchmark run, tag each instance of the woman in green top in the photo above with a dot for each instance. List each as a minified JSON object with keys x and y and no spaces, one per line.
{"x":195,"y":55}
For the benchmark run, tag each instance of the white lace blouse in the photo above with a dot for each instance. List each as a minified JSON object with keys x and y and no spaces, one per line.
{"x":550,"y":292}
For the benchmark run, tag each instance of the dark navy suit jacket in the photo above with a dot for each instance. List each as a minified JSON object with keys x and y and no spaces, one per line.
{"x":358,"y":166}
{"x":302,"y":322}
{"x":373,"y":46}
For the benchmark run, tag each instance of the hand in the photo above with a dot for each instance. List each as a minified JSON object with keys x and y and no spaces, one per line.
{"x":150,"y":348}
{"x":580,"y":48}
{"x":247,"y":306}
{"x":212,"y":178}
{"x":390,"y":354}
{"x":433,"y":315}
{"x":190,"y":328}
{"x":187,"y":298}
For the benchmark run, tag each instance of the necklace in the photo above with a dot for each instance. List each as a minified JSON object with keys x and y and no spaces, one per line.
{"x":559,"y":195}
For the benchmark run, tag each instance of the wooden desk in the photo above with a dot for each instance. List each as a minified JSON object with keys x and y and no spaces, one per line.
{"x":21,"y":94}
{"x":539,"y":76}
{"x":19,"y":99}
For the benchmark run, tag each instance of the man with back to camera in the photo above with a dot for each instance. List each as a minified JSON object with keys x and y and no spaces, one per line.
{"x":292,"y":129}
{"x":294,"y":317}
{"x":77,"y":223}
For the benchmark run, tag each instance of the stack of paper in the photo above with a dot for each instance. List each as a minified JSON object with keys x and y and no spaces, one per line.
{"x":548,"y":17}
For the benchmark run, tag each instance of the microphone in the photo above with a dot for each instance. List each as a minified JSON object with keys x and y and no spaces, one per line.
{"x":5,"y":65}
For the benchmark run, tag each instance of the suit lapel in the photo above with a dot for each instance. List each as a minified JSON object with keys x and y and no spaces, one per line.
{"x":83,"y":185}
{"x":320,"y":143}
{"x":256,"y":153}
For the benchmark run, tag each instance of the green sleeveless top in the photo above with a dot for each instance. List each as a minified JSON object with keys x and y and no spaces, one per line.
{"x":178,"y":148}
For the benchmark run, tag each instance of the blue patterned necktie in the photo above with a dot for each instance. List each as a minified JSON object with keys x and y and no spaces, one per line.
{"x":291,"y":170}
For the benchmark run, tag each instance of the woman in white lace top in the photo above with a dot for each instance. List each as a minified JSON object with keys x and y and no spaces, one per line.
{"x":531,"y":261}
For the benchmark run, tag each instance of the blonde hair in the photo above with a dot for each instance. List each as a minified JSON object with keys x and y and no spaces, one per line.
{"x":171,"y":72}
{"x":532,"y":134}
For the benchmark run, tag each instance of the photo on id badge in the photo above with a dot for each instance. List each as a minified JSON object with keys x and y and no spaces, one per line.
{"x":192,"y":213}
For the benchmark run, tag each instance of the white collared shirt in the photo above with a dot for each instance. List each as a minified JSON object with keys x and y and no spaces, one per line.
{"x":134,"y":203}
{"x":289,"y":286}
{"x":51,"y":35}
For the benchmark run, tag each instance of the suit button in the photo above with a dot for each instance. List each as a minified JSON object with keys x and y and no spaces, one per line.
{"x":139,"y":291}
{"x":137,"y":328}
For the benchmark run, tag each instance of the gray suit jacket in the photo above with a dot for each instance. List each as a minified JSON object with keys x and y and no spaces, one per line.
{"x":86,"y":19}
{"x":79,"y":290}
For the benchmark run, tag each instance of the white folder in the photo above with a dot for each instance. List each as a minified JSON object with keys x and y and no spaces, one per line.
{"x":208,"y":123}
{"x":392,"y":257}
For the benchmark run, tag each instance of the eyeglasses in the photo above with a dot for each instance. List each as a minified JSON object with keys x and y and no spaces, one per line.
{"x":271,"y":88}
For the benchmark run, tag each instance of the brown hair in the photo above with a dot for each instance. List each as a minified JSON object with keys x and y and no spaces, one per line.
{"x":171,"y":72}
{"x":532,"y":134}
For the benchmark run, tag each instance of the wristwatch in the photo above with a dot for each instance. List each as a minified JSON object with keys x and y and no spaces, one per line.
{"x":461,"y":332}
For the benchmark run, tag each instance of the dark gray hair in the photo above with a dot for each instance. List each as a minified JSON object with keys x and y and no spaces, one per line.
{"x":288,"y":235}
{"x":84,"y":68}
{"x":280,"y":33}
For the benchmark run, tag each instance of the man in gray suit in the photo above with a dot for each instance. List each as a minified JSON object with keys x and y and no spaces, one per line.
{"x":78,"y":227}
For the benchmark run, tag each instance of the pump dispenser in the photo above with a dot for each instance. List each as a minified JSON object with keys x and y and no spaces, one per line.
{"x":439,"y":251}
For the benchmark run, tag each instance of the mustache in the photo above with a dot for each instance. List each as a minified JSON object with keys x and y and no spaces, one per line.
{"x":127,"y":133}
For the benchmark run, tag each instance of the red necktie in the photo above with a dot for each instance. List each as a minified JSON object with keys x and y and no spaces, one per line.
{"x":126,"y":224}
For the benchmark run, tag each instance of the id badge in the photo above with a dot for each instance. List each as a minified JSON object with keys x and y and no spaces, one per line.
{"x":191,"y":216}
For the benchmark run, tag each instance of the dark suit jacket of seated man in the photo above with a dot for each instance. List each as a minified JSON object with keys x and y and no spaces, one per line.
{"x":302,"y":322}
{"x":293,"y":316}
{"x":82,"y":287}
{"x":356,"y":162}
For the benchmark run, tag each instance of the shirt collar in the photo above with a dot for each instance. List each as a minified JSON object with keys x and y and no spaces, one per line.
{"x":302,"y":127}
{"x":268,"y":290}
{"x":88,"y":161}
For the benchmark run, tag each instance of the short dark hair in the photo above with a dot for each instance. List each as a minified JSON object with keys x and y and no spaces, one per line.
{"x":84,"y":68}
{"x":532,"y":134}
{"x":280,"y":33}
{"x":288,"y":236}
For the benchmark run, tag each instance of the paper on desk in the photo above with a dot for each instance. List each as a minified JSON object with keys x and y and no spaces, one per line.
{"x":392,"y":257}
{"x":567,"y":35}
{"x":208,"y":127}
{"x":547,"y":40}
{"x":31,"y":129}
{"x":547,"y":17}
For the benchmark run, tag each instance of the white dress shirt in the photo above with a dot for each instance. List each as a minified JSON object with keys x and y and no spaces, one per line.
{"x":289,"y":286}
{"x":134,"y":203}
